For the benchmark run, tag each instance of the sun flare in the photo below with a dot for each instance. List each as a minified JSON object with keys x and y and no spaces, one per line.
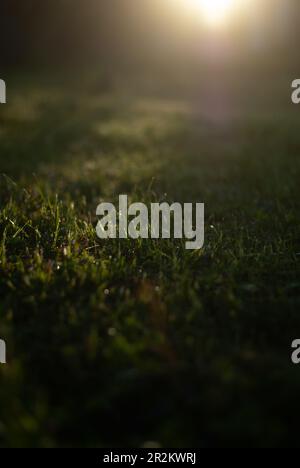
{"x":214,"y":12}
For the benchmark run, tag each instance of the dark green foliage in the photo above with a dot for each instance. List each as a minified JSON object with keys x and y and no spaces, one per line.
{"x":120,"y":342}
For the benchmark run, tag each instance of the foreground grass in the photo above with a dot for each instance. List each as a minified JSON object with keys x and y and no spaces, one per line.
{"x":121,"y":342}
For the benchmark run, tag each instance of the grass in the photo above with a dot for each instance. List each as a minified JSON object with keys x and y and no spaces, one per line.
{"x":122,"y":342}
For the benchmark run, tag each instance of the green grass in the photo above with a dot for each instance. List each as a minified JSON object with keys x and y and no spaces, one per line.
{"x":115,"y":343}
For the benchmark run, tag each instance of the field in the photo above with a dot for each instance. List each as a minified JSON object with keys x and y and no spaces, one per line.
{"x":137,"y":343}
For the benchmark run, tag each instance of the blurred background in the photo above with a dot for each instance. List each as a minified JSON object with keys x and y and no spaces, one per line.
{"x":149,"y":36}
{"x":215,"y":51}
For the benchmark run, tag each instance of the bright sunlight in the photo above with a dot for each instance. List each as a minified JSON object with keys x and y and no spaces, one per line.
{"x":215,"y":12}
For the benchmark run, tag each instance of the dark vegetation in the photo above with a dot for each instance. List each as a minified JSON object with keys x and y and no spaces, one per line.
{"x":120,"y":343}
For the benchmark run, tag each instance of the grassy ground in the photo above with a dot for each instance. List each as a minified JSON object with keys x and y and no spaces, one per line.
{"x":122,"y":342}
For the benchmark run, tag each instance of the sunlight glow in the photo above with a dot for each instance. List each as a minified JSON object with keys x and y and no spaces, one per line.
{"x":214,"y":12}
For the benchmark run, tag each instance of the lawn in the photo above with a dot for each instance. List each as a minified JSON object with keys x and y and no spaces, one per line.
{"x":122,"y":342}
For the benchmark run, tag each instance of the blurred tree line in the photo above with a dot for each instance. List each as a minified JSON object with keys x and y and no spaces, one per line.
{"x":55,"y":31}
{"x":78,"y":31}
{"x":114,"y":32}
